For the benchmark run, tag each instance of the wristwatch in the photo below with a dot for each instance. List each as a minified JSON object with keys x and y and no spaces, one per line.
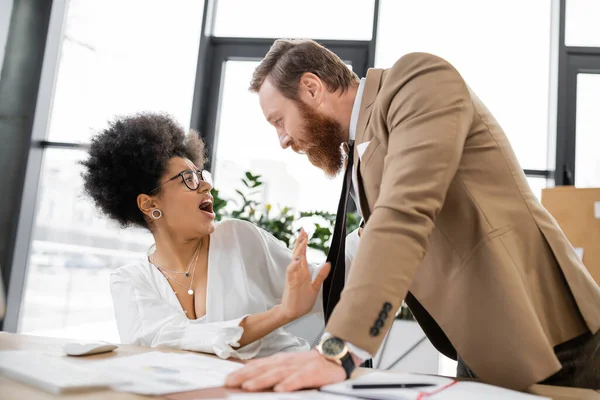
{"x":334,"y":349}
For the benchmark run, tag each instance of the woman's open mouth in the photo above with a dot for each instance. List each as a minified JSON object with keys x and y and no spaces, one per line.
{"x":207,"y":207}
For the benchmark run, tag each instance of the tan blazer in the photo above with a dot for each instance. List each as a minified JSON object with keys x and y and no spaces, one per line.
{"x":450,"y":218}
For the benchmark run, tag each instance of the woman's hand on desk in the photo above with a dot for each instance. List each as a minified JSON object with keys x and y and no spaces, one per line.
{"x":300,"y":292}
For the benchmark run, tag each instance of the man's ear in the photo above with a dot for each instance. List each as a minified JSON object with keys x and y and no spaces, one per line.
{"x":311,"y":88}
{"x":146,"y":204}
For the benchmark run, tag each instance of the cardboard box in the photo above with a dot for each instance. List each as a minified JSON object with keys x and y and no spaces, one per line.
{"x":577,"y":211}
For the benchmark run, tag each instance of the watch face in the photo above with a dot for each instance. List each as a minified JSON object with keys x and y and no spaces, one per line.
{"x":332,"y":346}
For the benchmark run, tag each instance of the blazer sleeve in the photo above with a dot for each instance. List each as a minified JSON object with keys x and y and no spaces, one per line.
{"x":428,"y":112}
{"x":145,"y":319}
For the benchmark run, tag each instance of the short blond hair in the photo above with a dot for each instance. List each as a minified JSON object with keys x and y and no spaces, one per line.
{"x":289,"y":59}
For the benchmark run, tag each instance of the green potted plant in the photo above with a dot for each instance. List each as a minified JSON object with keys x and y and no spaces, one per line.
{"x":278,"y":222}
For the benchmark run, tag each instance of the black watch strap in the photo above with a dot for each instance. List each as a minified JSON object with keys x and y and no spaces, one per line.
{"x":348,"y":364}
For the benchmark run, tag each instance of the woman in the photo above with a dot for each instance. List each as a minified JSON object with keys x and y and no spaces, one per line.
{"x":219,"y":289}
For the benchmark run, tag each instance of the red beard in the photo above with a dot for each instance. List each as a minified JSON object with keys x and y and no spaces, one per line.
{"x":325,"y":137}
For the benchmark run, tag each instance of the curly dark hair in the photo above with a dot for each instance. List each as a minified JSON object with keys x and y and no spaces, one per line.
{"x":129,"y":157}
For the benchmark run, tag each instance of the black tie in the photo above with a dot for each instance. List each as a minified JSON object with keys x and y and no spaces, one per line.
{"x":334,"y":284}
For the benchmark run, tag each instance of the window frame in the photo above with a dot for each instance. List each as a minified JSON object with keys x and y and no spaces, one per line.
{"x":213,"y":53}
{"x":572,"y":61}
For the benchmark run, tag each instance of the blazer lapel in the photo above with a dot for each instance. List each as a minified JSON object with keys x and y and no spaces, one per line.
{"x":372,"y":85}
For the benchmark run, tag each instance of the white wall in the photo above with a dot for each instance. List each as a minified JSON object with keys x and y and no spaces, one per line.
{"x":5,"y":13}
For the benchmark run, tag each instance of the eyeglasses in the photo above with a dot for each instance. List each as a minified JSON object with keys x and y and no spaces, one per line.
{"x":190,"y":178}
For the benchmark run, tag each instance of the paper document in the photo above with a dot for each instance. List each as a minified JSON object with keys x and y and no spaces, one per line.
{"x":477,"y":391}
{"x":157,"y":373}
{"x":443,"y":389}
{"x":307,"y":394}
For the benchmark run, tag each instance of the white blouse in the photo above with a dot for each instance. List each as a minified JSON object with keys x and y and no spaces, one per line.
{"x":246,"y":275}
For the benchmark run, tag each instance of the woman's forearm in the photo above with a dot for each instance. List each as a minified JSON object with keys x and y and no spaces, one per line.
{"x":257,"y":326}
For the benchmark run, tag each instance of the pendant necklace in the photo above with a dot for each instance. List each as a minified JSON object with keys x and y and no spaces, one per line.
{"x":193,"y":262}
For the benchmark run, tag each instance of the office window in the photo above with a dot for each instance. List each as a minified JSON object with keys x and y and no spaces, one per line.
{"x":537,"y":184}
{"x":582,"y":27}
{"x":116,"y":58}
{"x":5,"y":14}
{"x":247,"y":142}
{"x":501,"y":48}
{"x":73,"y":250}
{"x":587,"y":161}
{"x":121,"y":57}
{"x":315,"y":19}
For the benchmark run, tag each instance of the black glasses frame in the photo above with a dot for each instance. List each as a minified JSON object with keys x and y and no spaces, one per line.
{"x":204,"y":176}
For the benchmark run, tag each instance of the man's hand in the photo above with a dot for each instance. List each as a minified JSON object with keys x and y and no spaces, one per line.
{"x":287,"y":372}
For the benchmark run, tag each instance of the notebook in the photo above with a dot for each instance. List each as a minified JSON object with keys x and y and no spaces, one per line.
{"x":441,"y":389}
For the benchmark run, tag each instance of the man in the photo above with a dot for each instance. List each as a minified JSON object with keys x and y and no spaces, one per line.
{"x":451,"y":226}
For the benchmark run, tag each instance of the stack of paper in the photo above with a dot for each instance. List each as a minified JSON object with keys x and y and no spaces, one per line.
{"x":157,"y":373}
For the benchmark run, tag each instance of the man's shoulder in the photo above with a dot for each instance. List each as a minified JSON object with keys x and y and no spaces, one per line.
{"x":418,"y":59}
{"x":416,"y":74}
{"x":417,"y":62}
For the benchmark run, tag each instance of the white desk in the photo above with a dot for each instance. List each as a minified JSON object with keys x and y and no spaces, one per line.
{"x":16,"y":390}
